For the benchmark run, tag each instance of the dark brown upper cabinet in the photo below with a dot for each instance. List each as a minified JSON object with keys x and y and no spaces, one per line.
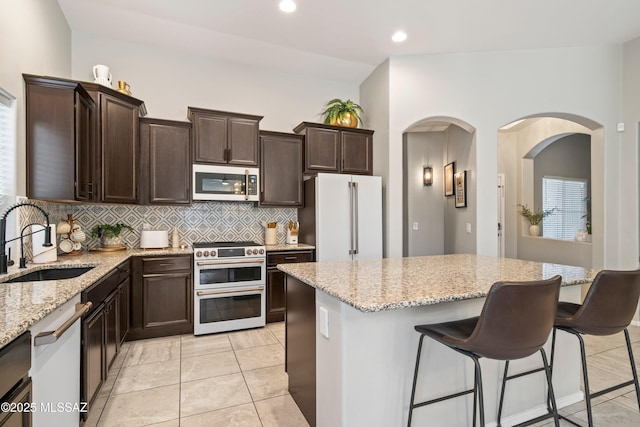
{"x":226,"y":138}
{"x":281,"y":174}
{"x":336,"y":149}
{"x":119,"y":144}
{"x":82,"y":141}
{"x":60,"y":140}
{"x":165,"y":151}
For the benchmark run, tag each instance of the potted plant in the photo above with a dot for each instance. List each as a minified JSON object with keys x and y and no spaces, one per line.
{"x":534,"y":218}
{"x":342,"y":113}
{"x":109,"y":235}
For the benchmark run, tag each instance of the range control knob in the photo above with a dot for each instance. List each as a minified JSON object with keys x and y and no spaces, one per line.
{"x":206,"y":253}
{"x":248,"y":251}
{"x":213,"y":253}
{"x":261,"y":251}
{"x":199,"y":254}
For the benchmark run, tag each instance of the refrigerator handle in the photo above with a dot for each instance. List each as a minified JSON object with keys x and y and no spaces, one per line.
{"x":351,"y":225}
{"x":355,"y":217}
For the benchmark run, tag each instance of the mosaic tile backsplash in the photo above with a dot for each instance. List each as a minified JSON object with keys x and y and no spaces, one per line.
{"x":207,"y":221}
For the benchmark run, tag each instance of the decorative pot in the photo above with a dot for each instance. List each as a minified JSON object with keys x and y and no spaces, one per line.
{"x":346,"y":120}
{"x":111,"y":242}
{"x":534,"y":230}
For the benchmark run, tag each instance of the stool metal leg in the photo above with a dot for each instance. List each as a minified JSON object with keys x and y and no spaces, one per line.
{"x":633,"y":366}
{"x":475,"y":403}
{"x":415,"y":380}
{"x":478,"y":389}
{"x":550,"y":394}
{"x":585,"y":376}
{"x":504,"y":384}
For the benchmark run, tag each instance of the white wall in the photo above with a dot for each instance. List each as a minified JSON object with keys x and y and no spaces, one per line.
{"x":460,"y":148}
{"x":374,"y":99}
{"x":34,"y":39}
{"x":424,"y":205}
{"x":170,"y":81}
{"x":491,"y":89}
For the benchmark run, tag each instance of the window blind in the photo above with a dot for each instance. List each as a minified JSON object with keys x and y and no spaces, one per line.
{"x":568,"y":197}
{"x":7,"y":150}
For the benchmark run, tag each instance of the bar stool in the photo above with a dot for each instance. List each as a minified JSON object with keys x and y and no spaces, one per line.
{"x":607,"y":309}
{"x":515,"y":322}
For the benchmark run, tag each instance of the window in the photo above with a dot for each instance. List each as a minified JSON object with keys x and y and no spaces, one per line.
{"x":7,"y":150}
{"x":568,"y":197}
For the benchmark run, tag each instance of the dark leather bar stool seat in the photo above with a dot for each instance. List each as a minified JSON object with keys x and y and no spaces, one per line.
{"x":607,"y":309}
{"x":515,"y":322}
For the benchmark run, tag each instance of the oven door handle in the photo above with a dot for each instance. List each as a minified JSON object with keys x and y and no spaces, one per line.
{"x":229,"y":291}
{"x":243,"y":261}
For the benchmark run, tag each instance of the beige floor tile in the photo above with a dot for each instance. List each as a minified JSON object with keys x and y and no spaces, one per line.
{"x":211,"y":365}
{"x":141,"y":408}
{"x":278,"y":330}
{"x":153,"y":352}
{"x":280,"y":411}
{"x":268,"y":382}
{"x":629,"y":399}
{"x":252,"y":338}
{"x":260,"y":357}
{"x":213,"y":393}
{"x":236,"y":416}
{"x":204,"y":344}
{"x":141,"y":377}
{"x":119,"y":360}
{"x":610,"y":413}
{"x":170,"y":423}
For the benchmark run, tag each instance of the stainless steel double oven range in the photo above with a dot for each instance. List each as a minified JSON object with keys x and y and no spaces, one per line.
{"x":229,"y":286}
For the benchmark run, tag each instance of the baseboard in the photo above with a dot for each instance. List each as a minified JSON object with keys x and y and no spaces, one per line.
{"x":635,"y":322}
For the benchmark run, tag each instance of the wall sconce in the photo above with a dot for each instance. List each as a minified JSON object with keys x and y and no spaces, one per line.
{"x":428,"y":175}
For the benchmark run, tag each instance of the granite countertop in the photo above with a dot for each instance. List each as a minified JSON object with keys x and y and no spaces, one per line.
{"x":391,"y":283}
{"x":285,"y":247}
{"x":24,"y":304}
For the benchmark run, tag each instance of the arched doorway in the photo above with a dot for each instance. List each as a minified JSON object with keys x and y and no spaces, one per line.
{"x":432,"y":224}
{"x":519,"y":144}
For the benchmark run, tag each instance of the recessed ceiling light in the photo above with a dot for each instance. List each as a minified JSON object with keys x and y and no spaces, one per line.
{"x":287,"y":6}
{"x":399,"y":36}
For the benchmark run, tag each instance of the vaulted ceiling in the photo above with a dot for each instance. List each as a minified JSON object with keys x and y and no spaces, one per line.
{"x":350,"y":37}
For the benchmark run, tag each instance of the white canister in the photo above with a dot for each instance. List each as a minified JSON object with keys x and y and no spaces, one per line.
{"x":270,"y":236}
{"x":42,"y":254}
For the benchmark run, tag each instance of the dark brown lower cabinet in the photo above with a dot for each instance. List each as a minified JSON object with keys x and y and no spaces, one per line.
{"x":93,"y":355}
{"x":276,"y":290}
{"x":300,"y":346}
{"x":111,"y":319}
{"x":22,"y":395}
{"x":124,"y":295}
{"x":161,"y":296}
{"x":102,"y":329}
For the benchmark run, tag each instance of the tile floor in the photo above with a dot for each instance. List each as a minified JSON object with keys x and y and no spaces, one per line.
{"x":238,"y":379}
{"x":234,"y":379}
{"x":608,"y":364}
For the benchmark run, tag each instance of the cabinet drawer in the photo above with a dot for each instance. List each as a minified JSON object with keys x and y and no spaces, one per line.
{"x":166,"y":264}
{"x":274,"y":259}
{"x":98,"y":292}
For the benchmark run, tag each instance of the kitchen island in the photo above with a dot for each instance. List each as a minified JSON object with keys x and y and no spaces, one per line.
{"x":351,"y":343}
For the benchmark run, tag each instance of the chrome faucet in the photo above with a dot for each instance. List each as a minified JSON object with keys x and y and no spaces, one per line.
{"x":3,"y":233}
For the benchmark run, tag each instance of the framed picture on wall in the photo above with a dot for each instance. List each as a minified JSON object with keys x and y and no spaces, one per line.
{"x":461,"y":189}
{"x":449,"y":170}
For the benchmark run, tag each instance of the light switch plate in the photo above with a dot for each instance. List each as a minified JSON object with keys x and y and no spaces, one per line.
{"x":323,"y":320}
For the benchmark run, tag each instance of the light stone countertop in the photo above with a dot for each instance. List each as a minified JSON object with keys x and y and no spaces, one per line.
{"x":285,"y":247}
{"x":24,"y":304}
{"x":391,"y":283}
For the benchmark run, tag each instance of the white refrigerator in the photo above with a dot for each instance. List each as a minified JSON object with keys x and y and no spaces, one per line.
{"x":342,"y":217}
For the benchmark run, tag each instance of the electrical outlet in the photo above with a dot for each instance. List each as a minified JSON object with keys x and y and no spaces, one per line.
{"x":469,"y":227}
{"x":415,"y":225}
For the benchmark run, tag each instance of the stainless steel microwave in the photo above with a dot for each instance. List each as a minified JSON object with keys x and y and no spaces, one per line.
{"x":212,"y":182}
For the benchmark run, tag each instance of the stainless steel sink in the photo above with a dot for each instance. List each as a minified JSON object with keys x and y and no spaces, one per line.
{"x":50,"y":274}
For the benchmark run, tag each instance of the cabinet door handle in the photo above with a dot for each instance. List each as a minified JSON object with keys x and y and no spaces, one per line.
{"x":291,"y":258}
{"x":52,"y":336}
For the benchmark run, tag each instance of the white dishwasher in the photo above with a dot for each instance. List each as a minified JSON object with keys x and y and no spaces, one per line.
{"x":55,"y":366}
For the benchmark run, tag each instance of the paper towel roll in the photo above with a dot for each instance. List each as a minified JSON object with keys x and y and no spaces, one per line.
{"x":41,"y":253}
